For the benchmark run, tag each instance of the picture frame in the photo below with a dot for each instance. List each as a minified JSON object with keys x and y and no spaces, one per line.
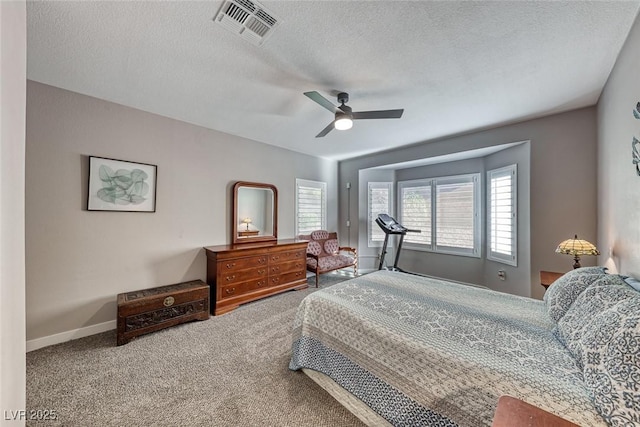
{"x":121,"y":185}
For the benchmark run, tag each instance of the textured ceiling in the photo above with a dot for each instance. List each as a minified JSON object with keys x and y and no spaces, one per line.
{"x":454,"y":66}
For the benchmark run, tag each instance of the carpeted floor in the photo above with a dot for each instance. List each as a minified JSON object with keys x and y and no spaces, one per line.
{"x":230,"y":370}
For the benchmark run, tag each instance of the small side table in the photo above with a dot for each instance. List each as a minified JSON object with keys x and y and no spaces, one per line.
{"x":512,"y":412}
{"x":548,"y":277}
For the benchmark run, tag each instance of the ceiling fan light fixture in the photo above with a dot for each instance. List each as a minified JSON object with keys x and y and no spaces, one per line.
{"x":343,"y":122}
{"x":344,"y":115}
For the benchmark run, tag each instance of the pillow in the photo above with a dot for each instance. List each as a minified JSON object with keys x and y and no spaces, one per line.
{"x":331,"y":246}
{"x":564,"y":291}
{"x":314,"y":248}
{"x":611,"y":360}
{"x":601,"y":295}
{"x":633,"y":282}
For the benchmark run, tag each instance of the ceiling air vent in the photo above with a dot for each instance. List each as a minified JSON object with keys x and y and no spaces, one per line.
{"x":247,"y":18}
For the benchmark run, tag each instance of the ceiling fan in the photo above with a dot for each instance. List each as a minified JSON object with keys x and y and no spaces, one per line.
{"x":344,"y":116}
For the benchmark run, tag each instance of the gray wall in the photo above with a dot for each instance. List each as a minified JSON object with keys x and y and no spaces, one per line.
{"x":562,"y":182}
{"x":13,"y":68}
{"x":618,"y":181}
{"x":78,"y":261}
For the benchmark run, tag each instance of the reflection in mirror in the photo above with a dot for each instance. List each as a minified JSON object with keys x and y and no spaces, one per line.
{"x":255,"y":212}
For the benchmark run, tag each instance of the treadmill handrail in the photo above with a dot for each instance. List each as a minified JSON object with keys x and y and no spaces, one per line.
{"x":401,"y":229}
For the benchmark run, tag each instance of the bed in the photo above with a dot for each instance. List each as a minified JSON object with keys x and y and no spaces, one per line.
{"x":407,"y":350}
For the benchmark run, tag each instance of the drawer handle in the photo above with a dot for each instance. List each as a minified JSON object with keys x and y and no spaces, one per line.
{"x":275,"y":257}
{"x":275,"y":269}
{"x":261,"y":283}
{"x":168,"y":301}
{"x":229,"y":291}
{"x":230,"y":278}
{"x":261,"y":271}
{"x":231,"y":264}
{"x":275,"y":279}
{"x":261,"y":260}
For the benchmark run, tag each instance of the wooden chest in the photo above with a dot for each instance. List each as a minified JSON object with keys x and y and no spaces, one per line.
{"x":238,"y":274}
{"x":150,"y":310}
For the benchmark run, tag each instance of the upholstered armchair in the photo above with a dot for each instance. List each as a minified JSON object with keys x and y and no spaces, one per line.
{"x":324,"y":254}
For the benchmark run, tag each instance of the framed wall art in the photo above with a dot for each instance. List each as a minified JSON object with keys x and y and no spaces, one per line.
{"x":120,"y":185}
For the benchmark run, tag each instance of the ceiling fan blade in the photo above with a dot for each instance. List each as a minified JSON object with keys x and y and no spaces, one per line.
{"x":382,"y":114}
{"x":316,"y":97}
{"x":326,"y":130}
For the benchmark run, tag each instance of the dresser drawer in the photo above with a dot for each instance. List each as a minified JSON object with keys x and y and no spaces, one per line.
{"x":287,"y":267}
{"x":286,"y":278}
{"x":241,"y":263}
{"x":285,"y":256}
{"x":230,"y":291}
{"x":237,"y":276}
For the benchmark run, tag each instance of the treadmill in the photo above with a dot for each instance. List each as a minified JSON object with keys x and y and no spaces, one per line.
{"x":391,"y":227}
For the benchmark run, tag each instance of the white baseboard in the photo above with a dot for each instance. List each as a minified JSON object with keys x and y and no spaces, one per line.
{"x":74,"y":334}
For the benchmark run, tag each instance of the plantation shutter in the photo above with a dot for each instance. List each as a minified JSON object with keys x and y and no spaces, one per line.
{"x":379,"y":201}
{"x":311,"y":206}
{"x":415,"y":210}
{"x":501,"y":226}
{"x":455,"y":214}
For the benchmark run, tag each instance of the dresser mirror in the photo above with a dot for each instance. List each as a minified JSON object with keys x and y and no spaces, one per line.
{"x":255,"y":212}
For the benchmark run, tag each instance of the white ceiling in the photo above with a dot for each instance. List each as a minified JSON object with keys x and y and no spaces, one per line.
{"x":454,"y":66}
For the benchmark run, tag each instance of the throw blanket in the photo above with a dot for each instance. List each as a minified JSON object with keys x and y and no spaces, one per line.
{"x":427,"y":352}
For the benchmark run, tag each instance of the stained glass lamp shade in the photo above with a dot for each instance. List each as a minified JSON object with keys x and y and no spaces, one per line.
{"x":577,"y":247}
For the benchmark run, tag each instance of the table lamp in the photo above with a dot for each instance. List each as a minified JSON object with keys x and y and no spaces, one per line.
{"x":247,"y":221}
{"x":577,"y":247}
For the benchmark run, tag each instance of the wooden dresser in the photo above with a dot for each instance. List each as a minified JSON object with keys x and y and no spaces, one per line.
{"x":237,"y":274}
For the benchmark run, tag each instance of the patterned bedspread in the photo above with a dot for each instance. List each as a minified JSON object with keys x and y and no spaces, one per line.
{"x":427,"y":352}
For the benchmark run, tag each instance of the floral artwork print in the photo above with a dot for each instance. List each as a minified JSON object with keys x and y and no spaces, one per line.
{"x":120,"y":185}
{"x":634,"y":143}
{"x":123,"y":186}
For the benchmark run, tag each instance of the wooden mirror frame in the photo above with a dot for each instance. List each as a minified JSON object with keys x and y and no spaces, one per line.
{"x":235,"y":237}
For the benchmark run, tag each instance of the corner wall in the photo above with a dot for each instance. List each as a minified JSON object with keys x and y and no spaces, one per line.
{"x":517,"y":276}
{"x":369,"y":256}
{"x":618,"y":178}
{"x":13,"y":68}
{"x":79,"y":260}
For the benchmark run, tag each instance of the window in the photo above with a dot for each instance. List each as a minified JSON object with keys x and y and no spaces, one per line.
{"x":457,"y":207}
{"x":378,"y":201}
{"x":415,"y":210}
{"x":311,"y":206}
{"x":446,"y":210}
{"x":502,"y":216}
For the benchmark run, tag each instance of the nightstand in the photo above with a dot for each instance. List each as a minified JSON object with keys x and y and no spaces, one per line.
{"x":548,"y":277}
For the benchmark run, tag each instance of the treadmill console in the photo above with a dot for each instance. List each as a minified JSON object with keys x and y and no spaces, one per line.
{"x":390,"y":225}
